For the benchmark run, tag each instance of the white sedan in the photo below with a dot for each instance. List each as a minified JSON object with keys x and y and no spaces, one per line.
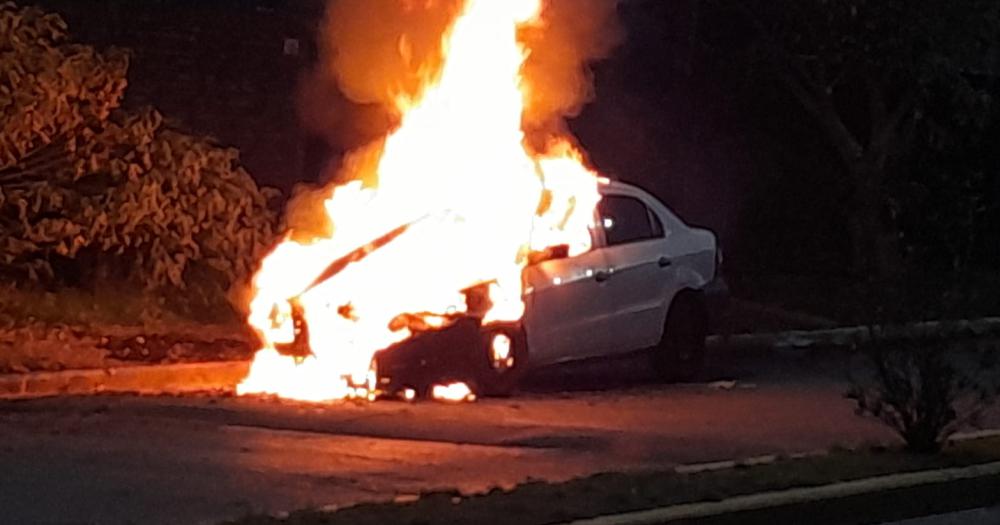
{"x":647,"y":284}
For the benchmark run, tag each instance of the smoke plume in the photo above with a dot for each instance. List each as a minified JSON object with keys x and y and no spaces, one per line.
{"x":373,"y":52}
{"x":572,"y":34}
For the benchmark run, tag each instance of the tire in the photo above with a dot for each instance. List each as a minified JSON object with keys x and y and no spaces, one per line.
{"x":680,"y":354}
{"x":500,"y":377}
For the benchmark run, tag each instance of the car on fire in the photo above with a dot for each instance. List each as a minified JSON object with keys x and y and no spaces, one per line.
{"x":649,"y":284}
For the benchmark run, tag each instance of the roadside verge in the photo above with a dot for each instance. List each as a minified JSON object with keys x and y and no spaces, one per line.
{"x":802,"y":502}
{"x":225,"y":375}
{"x":863,"y":486}
{"x":846,"y":336}
{"x":145,"y":379}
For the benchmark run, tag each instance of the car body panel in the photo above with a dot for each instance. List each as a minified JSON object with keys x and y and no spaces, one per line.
{"x":638,"y":288}
{"x":571,"y":316}
{"x":567,"y":307}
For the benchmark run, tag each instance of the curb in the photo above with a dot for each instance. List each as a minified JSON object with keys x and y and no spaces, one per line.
{"x":846,"y":336}
{"x":695,"y":468}
{"x":974,"y":435}
{"x":226,"y":375}
{"x":767,"y":500}
{"x":146,"y":379}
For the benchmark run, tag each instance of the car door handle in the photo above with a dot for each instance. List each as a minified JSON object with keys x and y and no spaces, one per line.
{"x":602,"y":275}
{"x":665,"y":262}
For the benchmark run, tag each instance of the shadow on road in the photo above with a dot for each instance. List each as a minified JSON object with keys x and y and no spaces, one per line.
{"x":635,"y":371}
{"x":609,"y":374}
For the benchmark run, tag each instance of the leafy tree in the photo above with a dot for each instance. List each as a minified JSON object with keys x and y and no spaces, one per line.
{"x":867,"y":73}
{"x":88,"y":191}
{"x":51,"y":88}
{"x":946,"y":202}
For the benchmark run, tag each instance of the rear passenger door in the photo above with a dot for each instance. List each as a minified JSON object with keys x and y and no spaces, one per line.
{"x":641,"y":277}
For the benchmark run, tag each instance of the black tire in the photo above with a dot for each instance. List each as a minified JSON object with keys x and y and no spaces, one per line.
{"x":680,"y":354}
{"x":501,"y":379}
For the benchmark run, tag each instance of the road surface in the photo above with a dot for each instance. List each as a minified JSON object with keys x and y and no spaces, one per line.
{"x":989,"y":516}
{"x":164,"y":460}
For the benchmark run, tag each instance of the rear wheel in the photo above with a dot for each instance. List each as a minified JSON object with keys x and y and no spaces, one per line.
{"x":680,"y":354}
{"x":503,"y":359}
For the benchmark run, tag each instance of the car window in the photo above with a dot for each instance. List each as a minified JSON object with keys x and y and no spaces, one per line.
{"x":627,"y":219}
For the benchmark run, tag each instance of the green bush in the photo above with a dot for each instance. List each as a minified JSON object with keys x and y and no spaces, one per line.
{"x":92,"y":194}
{"x":925,"y":386}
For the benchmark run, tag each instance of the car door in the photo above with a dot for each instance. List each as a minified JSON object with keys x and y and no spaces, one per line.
{"x":567,"y":314}
{"x":640,"y":269}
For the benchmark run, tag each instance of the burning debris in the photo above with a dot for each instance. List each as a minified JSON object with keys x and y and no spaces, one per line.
{"x":416,"y":287}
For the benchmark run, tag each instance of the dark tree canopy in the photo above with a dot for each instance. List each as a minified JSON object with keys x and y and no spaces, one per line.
{"x":869,"y":74}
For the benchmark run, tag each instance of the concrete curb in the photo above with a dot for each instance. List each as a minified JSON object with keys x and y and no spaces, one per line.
{"x":695,"y":468}
{"x":157,"y":379}
{"x":846,"y":336}
{"x":766,"y":500}
{"x":974,"y":435}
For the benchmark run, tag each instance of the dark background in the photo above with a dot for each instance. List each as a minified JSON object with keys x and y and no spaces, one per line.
{"x":672,"y":115}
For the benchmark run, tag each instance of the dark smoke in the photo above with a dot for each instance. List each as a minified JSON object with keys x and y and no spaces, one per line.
{"x":374,"y":51}
{"x":371,"y":52}
{"x":572,"y":35}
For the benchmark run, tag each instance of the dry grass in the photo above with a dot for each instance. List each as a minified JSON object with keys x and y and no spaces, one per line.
{"x":120,"y":305}
{"x":56,"y":331}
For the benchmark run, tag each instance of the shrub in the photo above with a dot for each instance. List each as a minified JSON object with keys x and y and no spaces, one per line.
{"x":925,"y":386}
{"x":89,"y":192}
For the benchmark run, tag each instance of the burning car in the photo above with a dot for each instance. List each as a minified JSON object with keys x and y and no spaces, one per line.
{"x":474,"y":240}
{"x":646,"y":285}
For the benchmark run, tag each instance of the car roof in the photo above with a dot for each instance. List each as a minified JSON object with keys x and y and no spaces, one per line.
{"x":617,"y":185}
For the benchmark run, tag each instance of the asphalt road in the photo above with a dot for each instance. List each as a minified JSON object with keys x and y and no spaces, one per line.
{"x":987,"y":516}
{"x":125,"y":459}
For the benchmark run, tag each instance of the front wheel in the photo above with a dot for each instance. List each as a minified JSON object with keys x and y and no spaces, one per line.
{"x":680,"y":354}
{"x":503,"y":359}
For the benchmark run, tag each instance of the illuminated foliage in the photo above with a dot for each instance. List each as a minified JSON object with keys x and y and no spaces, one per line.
{"x":90,"y":191}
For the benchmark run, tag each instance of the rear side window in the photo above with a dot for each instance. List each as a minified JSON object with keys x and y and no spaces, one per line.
{"x":627,"y":219}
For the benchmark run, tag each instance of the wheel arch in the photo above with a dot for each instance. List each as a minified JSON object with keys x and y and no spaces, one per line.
{"x":690,"y":297}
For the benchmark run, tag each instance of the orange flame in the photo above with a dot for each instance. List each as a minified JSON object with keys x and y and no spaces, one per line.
{"x":454,"y":392}
{"x":475,"y":203}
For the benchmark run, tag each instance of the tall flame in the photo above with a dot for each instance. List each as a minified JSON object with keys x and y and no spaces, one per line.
{"x":465,"y":203}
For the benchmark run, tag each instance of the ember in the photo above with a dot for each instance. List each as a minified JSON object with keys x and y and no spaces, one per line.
{"x":461,"y":202}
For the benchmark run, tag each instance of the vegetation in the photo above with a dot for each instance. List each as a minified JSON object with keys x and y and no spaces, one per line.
{"x":895,"y":90}
{"x":91,"y":194}
{"x":926,"y":387}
